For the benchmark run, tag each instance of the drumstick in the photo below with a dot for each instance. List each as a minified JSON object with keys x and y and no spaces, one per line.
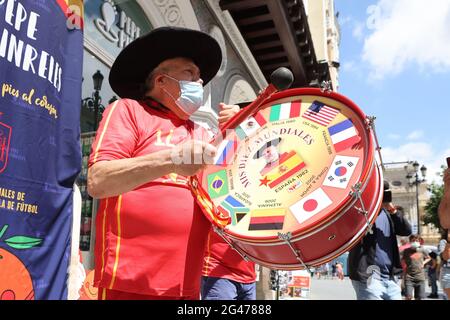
{"x":281,"y":79}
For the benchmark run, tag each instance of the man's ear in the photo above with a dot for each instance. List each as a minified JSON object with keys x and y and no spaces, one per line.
{"x":160,"y":80}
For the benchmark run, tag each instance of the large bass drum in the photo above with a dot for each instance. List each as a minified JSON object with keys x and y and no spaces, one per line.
{"x":297,"y":183}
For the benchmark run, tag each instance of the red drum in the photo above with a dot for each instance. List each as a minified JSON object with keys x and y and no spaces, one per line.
{"x":297,"y":183}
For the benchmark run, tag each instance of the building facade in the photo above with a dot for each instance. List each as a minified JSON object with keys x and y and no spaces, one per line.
{"x":404,"y":195}
{"x":325,"y":32}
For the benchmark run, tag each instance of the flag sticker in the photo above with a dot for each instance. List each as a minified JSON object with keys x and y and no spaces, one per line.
{"x":233,"y":208}
{"x":267,"y":219}
{"x":225,"y":153}
{"x":343,"y":135}
{"x":218,"y":184}
{"x":311,"y":205}
{"x":295,"y":186}
{"x":285,"y":111}
{"x":320,"y":113}
{"x":341,"y":172}
{"x":249,"y":126}
{"x":289,"y":164}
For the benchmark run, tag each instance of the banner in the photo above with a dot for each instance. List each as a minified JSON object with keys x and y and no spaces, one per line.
{"x":41,"y":50}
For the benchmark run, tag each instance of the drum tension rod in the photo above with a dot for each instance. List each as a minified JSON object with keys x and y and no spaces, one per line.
{"x":356,"y":193}
{"x":286,"y":237}
{"x":371,"y":126}
{"x":230,"y":243}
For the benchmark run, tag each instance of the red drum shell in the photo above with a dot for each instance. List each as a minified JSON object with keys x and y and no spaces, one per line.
{"x":315,"y":241}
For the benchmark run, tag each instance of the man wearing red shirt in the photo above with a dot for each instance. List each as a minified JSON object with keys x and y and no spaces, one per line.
{"x":150,"y":232}
{"x":226,"y":275}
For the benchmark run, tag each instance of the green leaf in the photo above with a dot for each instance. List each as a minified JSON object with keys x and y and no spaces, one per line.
{"x":431,"y":215}
{"x":2,"y":232}
{"x":22,"y":242}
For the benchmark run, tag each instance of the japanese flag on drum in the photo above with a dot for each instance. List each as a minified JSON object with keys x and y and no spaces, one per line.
{"x":341,"y":172}
{"x":310,"y":205}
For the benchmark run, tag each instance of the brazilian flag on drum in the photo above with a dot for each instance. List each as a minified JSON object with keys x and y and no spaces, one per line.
{"x":41,"y":51}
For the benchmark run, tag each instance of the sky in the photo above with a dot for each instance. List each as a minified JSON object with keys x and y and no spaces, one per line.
{"x":395,"y":65}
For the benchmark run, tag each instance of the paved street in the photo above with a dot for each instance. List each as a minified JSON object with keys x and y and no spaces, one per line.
{"x":327,"y":289}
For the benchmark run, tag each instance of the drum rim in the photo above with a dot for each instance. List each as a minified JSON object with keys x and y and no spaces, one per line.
{"x":365,"y":174}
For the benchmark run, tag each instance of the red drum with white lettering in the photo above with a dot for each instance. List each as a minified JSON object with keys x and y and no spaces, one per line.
{"x":296,"y":184}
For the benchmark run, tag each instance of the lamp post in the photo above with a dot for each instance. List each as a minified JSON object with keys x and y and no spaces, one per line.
{"x":94,"y":102}
{"x":413,"y":179}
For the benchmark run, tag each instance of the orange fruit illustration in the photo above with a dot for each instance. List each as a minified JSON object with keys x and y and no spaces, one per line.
{"x":88,"y":291}
{"x":15,"y":280}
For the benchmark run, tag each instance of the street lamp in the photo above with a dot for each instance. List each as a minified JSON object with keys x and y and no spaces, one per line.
{"x":94,"y":102}
{"x":413,"y":179}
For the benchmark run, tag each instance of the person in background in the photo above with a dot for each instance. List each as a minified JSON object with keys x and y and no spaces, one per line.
{"x":340,"y":271}
{"x":444,"y":245}
{"x":432,"y":275}
{"x":226,"y":275}
{"x":444,"y":270}
{"x":333,"y":270}
{"x":415,"y":258}
{"x":444,"y":206}
{"x":375,"y":261}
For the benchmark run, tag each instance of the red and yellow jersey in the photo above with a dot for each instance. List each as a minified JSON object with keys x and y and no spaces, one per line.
{"x":222,"y":261}
{"x":149,"y":240}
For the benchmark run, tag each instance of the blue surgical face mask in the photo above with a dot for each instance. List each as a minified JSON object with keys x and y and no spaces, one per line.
{"x":191,"y":98}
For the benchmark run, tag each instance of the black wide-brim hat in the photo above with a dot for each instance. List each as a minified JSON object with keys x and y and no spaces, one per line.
{"x":143,"y":55}
{"x":273,"y":142}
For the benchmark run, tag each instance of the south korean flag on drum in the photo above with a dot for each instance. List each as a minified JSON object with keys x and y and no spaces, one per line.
{"x":341,"y":172}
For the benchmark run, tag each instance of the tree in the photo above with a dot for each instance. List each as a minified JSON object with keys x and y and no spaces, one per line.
{"x":431,"y":209}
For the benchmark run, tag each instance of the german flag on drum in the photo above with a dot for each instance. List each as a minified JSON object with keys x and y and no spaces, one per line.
{"x":289,"y":164}
{"x":267,"y":219}
{"x":311,"y":205}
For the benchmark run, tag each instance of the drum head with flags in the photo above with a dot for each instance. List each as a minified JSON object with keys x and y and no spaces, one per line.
{"x":287,"y":167}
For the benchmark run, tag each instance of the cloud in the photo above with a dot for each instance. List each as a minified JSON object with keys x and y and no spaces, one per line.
{"x":421,"y":152}
{"x":415,"y":135}
{"x":407,"y":33}
{"x":358,"y":30}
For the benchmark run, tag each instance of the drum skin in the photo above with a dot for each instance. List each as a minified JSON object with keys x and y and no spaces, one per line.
{"x":319,"y":196}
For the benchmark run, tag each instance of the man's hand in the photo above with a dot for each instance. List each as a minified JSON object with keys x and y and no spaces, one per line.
{"x":390,"y":208}
{"x":226,"y":112}
{"x":192,"y":156}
